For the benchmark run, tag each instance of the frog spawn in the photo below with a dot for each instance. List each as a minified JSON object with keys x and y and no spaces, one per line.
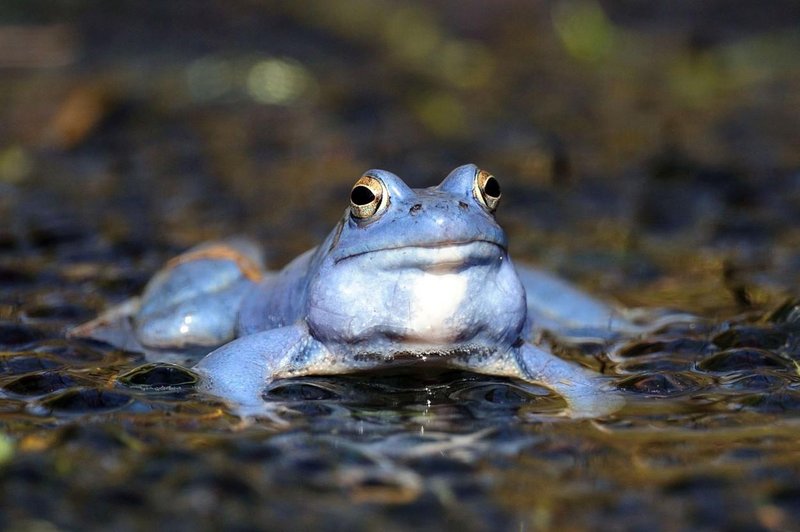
{"x":407,"y":442}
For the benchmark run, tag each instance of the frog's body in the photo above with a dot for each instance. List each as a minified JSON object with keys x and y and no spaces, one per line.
{"x":407,"y":277}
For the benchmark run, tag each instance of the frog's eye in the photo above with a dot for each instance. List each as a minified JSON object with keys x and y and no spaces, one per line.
{"x":487,"y":190}
{"x":367,"y":198}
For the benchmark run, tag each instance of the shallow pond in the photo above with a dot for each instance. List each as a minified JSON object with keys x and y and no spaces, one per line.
{"x":654,"y":163}
{"x":709,"y":437}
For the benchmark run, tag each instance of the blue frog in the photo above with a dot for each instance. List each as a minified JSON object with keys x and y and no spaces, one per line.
{"x":408,"y":278}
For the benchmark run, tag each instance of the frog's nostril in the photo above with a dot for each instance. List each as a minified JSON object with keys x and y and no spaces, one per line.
{"x":415,"y":208}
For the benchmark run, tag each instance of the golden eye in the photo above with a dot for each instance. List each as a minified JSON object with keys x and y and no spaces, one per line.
{"x":367,"y":198}
{"x":487,"y":190}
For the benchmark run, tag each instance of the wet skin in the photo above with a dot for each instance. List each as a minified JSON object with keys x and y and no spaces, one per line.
{"x":408,"y":278}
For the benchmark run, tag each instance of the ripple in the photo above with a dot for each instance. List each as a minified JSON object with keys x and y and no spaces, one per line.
{"x":741,"y":359}
{"x":40,"y":383}
{"x":286,"y":390}
{"x":19,"y":363}
{"x":84,"y":400}
{"x":659,"y":384}
{"x":772,"y":403}
{"x":758,"y":337}
{"x":13,"y":335}
{"x":58,"y":312}
{"x":672,"y":346}
{"x":159,"y":376}
{"x":655,"y":363}
{"x":71,"y":352}
{"x":751,"y":382}
{"x":498,"y":395}
{"x":11,"y":277}
{"x":786,"y":313}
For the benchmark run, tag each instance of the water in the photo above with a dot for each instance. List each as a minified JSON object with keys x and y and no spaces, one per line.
{"x":97,"y":436}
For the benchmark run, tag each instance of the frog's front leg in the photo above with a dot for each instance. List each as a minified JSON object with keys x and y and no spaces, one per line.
{"x":587,"y":393}
{"x":239,"y":371}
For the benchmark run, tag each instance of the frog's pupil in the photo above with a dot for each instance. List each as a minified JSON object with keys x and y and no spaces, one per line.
{"x":492,"y":187}
{"x":361,"y":195}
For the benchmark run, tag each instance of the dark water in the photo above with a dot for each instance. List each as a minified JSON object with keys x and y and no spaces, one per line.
{"x":649,"y":153}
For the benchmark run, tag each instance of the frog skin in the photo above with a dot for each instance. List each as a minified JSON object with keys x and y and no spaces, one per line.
{"x":408,"y":278}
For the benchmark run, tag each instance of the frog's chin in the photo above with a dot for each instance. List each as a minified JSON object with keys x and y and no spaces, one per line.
{"x":439,"y":258}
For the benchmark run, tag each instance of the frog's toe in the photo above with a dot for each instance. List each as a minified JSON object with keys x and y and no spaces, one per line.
{"x":587,"y":393}
{"x":252,"y":413}
{"x":239,"y":372}
{"x":113,"y":327}
{"x":591,"y":401}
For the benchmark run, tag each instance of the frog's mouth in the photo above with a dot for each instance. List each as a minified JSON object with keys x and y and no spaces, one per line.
{"x":445,"y":257}
{"x":423,"y":356}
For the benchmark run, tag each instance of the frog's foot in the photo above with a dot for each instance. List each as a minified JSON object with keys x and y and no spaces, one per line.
{"x":250,"y":414}
{"x":188,"y":308}
{"x":194,"y":300}
{"x":587,"y":394}
{"x":239,"y":372}
{"x":113,"y":327}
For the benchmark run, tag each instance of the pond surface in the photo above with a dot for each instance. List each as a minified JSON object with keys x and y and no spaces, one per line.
{"x":649,"y":155}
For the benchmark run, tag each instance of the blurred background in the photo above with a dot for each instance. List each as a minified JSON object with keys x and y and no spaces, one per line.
{"x":649,"y":150}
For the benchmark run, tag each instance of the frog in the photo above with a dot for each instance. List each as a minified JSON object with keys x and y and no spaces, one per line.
{"x":415,"y":279}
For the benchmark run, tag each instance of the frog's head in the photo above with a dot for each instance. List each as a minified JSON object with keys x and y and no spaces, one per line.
{"x":427,"y":267}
